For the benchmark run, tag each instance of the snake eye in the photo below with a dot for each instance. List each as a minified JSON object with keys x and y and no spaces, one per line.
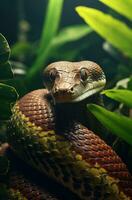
{"x":53,"y":74}
{"x":83,"y":74}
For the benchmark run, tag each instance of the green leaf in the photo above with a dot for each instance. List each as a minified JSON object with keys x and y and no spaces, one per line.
{"x":66,"y":37}
{"x":124,"y":7}
{"x":70,"y":34}
{"x":111,"y":29}
{"x":8,"y":93}
{"x":19,"y":69}
{"x":122,"y":84}
{"x":51,"y":23}
{"x":121,"y":95}
{"x":129,"y":85}
{"x":117,"y":124}
{"x":50,"y":28}
{"x":5,"y":71}
{"x":20,"y":48}
{"x":4,"y":50}
{"x":5,"y":110}
{"x":8,"y":96}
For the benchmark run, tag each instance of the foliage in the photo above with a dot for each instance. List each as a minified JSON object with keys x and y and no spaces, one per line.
{"x":54,"y":44}
{"x":116,"y":31}
{"x":123,"y":96}
{"x":117,"y":124}
{"x":121,"y":6}
{"x":113,"y":30}
{"x":8,"y":94}
{"x":119,"y":35}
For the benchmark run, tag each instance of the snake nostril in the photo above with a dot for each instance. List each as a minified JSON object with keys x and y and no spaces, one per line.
{"x":71,"y":90}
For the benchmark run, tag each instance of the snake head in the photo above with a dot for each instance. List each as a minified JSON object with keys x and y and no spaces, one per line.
{"x":73,"y":81}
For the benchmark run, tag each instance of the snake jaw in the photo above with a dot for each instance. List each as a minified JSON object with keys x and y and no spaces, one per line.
{"x":80,"y":92}
{"x":91,"y":89}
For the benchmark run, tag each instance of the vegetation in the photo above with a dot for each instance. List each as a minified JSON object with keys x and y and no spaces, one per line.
{"x":105,"y":38}
{"x":118,"y":34}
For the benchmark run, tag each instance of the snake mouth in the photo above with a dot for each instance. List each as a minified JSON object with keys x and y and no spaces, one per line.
{"x":87,"y":94}
{"x":80,"y":92}
{"x":90,"y":90}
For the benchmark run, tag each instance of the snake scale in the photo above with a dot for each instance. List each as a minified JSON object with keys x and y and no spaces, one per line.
{"x":48,"y":133}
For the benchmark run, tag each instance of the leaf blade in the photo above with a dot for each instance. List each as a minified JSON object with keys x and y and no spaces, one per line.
{"x":121,"y":95}
{"x":52,"y":18}
{"x":8,"y":93}
{"x":117,"y":124}
{"x":6,"y":71}
{"x":114,"y":31}
{"x":4,"y":50}
{"x":121,"y":6}
{"x":70,"y":34}
{"x":8,"y":97}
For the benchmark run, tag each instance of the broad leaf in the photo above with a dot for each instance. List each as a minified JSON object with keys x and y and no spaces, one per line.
{"x":20,"y":48}
{"x":121,"y":95}
{"x":70,"y":34}
{"x":111,"y":29}
{"x":124,"y":7}
{"x":19,"y":69}
{"x":117,"y":124}
{"x":66,"y":37}
{"x":5,"y":71}
{"x":4,"y":50}
{"x":122,"y":84}
{"x":7,"y":93}
{"x":8,"y":96}
{"x":129,"y":85}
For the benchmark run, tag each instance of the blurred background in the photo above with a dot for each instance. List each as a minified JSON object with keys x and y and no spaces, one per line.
{"x":22,"y":24}
{"x":11,"y":12}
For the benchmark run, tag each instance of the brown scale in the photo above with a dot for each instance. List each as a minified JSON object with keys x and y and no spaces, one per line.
{"x":29,"y":190}
{"x":94,"y":150}
{"x":36,"y":106}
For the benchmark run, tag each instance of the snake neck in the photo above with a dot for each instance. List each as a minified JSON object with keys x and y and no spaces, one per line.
{"x":66,"y":113}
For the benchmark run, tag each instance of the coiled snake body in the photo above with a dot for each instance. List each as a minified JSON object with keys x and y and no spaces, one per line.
{"x":70,"y":153}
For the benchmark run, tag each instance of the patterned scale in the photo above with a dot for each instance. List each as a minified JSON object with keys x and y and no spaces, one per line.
{"x":29,"y":189}
{"x":77,"y":158}
{"x":96,"y":152}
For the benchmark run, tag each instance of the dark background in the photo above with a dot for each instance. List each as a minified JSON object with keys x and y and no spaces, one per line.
{"x":34,"y":11}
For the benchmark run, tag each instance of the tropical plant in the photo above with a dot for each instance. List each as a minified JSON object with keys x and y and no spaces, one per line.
{"x":8,"y":96}
{"x":119,"y":35}
{"x":116,"y":30}
{"x":49,"y":47}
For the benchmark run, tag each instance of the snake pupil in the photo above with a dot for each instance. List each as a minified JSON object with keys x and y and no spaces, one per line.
{"x":53,"y":74}
{"x":83,"y":74}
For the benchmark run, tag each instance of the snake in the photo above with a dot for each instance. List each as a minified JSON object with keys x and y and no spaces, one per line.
{"x":50,"y":131}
